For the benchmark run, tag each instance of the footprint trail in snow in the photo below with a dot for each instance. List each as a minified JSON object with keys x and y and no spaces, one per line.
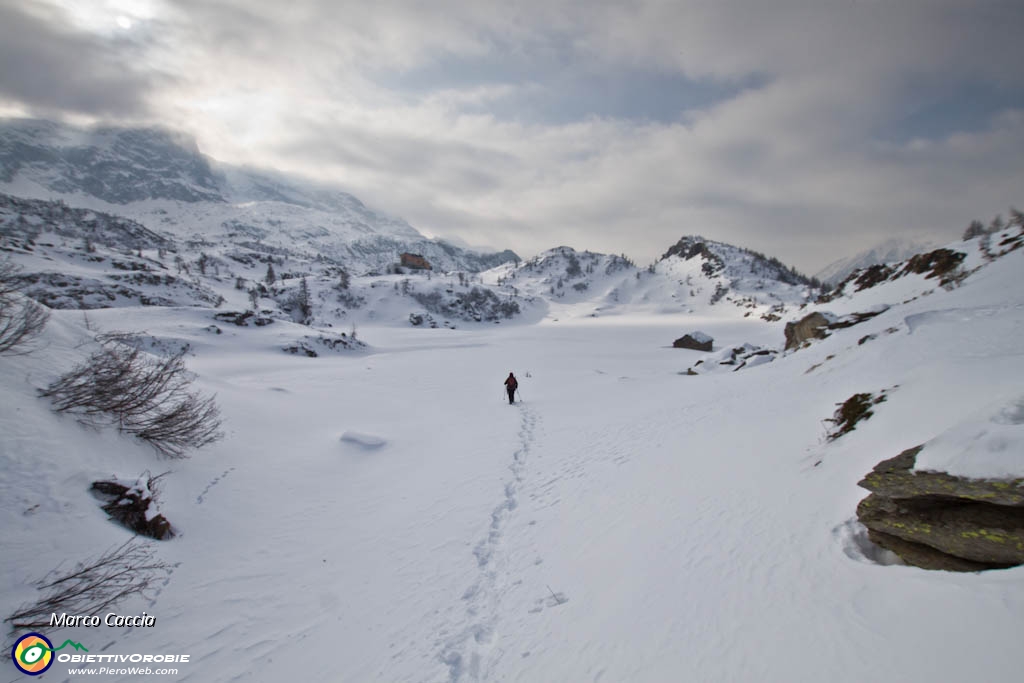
{"x":469,"y":654}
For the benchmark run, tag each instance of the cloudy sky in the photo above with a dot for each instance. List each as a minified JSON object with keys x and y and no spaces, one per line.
{"x":807,"y":129}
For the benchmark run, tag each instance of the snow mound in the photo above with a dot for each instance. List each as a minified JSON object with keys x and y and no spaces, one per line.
{"x":990,"y":444}
{"x":367,"y":442}
{"x":733,"y":358}
{"x":852,"y":537}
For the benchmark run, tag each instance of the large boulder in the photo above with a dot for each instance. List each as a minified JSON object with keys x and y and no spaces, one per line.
{"x":812,"y":326}
{"x":698,"y":341}
{"x":819,"y":325}
{"x":936,"y":520}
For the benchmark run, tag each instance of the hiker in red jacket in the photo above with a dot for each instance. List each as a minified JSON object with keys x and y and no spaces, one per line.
{"x":510,"y":385}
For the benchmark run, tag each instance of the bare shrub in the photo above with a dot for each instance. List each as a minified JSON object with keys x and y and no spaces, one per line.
{"x":93,"y":585}
{"x":142,"y":395}
{"x":21,"y":318}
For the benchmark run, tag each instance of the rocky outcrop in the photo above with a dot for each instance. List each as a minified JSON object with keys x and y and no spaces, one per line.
{"x":242,"y":318}
{"x":698,"y":341}
{"x":943,"y":264}
{"x":304,"y":346}
{"x":819,"y":325}
{"x":733,"y":359}
{"x":133,"y":506}
{"x":940,"y":263}
{"x":689,"y":247}
{"x":812,"y":326}
{"x":935,"y":520}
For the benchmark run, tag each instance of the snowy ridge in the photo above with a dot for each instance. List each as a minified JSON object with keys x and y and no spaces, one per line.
{"x":115,"y":165}
{"x":206,"y":234}
{"x":87,"y":258}
{"x":890,"y":251}
{"x":868,"y":293}
{"x":722,"y":278}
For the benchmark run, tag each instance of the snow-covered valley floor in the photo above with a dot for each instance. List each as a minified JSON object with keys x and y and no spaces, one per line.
{"x":387,"y":516}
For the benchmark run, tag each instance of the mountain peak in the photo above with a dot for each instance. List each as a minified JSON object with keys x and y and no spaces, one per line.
{"x":116,"y":165}
{"x":733,"y":262}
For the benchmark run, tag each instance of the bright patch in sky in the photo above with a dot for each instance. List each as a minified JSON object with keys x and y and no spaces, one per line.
{"x":124,"y":22}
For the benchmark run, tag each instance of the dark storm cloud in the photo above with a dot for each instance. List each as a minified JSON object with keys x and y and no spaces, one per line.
{"x":53,"y":70}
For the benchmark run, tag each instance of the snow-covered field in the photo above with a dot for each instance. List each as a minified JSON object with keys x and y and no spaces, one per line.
{"x":385,"y":515}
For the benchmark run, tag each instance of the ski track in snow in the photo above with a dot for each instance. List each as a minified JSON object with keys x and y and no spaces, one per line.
{"x":470,"y":652}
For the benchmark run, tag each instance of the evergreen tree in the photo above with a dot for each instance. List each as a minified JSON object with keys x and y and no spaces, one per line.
{"x":271,"y":275}
{"x":304,"y":302}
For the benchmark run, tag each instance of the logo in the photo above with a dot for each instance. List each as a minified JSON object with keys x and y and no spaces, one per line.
{"x":33,"y":653}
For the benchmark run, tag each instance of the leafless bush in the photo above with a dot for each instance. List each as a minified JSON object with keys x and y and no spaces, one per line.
{"x":93,"y":585}
{"x":142,"y":395}
{"x":21,"y":318}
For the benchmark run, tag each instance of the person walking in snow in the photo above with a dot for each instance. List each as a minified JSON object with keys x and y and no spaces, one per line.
{"x":511,"y":384}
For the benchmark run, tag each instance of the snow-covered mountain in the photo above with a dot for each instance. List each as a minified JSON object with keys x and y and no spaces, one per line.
{"x":160,"y":179}
{"x":240,"y":232}
{"x":624,"y":521}
{"x":694,"y":276}
{"x":643,"y":513}
{"x":86,"y":258}
{"x":115,"y":165}
{"x":119,"y":217}
{"x":890,"y":251}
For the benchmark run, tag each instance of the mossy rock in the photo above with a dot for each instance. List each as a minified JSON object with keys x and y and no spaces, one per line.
{"x":940,"y":521}
{"x":924,"y":556}
{"x":895,"y":478}
{"x":979,"y":532}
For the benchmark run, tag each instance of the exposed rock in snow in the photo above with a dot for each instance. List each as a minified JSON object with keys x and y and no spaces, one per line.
{"x":733,"y":359}
{"x":811,"y":326}
{"x":819,"y":324}
{"x":242,"y":318}
{"x":698,"y":341}
{"x":133,"y":504}
{"x":305,"y":345}
{"x":938,"y":521}
{"x":943,"y":265}
{"x":890,"y":251}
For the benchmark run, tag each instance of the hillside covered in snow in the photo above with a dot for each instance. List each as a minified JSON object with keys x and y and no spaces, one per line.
{"x":160,"y":179}
{"x":316,"y":443}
